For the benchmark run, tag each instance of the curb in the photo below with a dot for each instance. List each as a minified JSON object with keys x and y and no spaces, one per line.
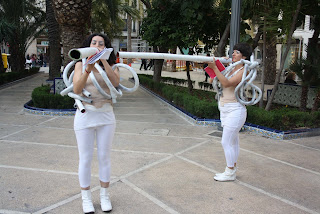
{"x":48,"y":112}
{"x":249,"y":127}
{"x":18,"y":80}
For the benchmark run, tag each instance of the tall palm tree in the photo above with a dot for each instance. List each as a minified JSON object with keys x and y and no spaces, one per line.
{"x":132,"y":4}
{"x":3,"y":28}
{"x":74,"y":21}
{"x":106,"y":17}
{"x":22,"y":21}
{"x":54,"y":42}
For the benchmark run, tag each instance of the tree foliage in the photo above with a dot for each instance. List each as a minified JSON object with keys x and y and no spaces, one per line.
{"x":181,"y":23}
{"x":308,"y":68}
{"x":21,"y":21}
{"x":106,"y":16}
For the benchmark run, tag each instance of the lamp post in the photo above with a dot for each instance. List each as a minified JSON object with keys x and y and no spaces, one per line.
{"x":235,"y":24}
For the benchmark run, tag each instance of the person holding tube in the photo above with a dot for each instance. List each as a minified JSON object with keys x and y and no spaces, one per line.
{"x":97,"y":122}
{"x":232,"y":114}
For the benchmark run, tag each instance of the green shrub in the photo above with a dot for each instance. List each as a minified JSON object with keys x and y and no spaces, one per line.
{"x":42,"y":98}
{"x":13,"y":76}
{"x":203,"y":105}
{"x":168,"y":93}
{"x":205,"y":85}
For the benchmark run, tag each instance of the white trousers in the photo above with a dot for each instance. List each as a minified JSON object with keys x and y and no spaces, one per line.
{"x":232,"y":116}
{"x":85,"y":140}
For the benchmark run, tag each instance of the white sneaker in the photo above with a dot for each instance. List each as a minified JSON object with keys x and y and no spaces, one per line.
{"x":87,"y":205}
{"x":219,"y":174}
{"x":105,"y":200}
{"x":228,"y":175}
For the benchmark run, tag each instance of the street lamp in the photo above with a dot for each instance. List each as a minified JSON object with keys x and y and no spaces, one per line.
{"x":235,"y":24}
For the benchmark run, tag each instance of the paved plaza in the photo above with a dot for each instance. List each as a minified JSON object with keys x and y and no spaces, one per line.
{"x":161,"y":163}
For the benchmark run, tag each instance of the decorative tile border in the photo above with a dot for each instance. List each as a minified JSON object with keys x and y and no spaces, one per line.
{"x":260,"y":130}
{"x":249,"y":127}
{"x":48,"y":112}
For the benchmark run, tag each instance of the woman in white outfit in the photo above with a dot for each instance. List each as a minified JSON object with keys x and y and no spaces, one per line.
{"x":97,"y":123}
{"x":232,"y":114}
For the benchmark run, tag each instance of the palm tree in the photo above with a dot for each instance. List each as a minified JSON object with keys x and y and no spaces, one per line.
{"x":147,"y":3}
{"x":131,"y":4}
{"x":105,"y":17}
{"x":54,"y":42}
{"x":285,"y":54}
{"x":308,"y":69}
{"x":74,"y":20}
{"x":21,"y":22}
{"x":3,"y":28}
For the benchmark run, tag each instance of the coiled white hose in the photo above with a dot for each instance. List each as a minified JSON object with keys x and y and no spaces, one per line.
{"x":248,"y":76}
{"x":114,"y":92}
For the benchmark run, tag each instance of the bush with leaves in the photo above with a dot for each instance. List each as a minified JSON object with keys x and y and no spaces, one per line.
{"x":13,"y":76}
{"x":202,"y":104}
{"x":42,"y":98}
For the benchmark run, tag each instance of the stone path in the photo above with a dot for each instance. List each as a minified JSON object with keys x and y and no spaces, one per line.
{"x":160,"y":164}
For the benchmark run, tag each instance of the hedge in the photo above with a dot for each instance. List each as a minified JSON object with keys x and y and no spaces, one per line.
{"x":12,"y":76}
{"x":198,"y":103}
{"x":42,"y":98}
{"x":203,"y":105}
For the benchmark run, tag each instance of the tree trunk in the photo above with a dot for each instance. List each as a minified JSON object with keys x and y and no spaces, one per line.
{"x":2,"y":70}
{"x":174,"y":62}
{"x":316,"y":103}
{"x":190,"y":87}
{"x":271,"y":61}
{"x":263,"y":60}
{"x":146,"y":3}
{"x":220,"y":52}
{"x":129,"y":43}
{"x":54,"y":42}
{"x":314,"y":42}
{"x":256,"y":39}
{"x":16,"y":59}
{"x":158,"y":63}
{"x":74,"y":20}
{"x":275,"y":87}
{"x":304,"y":97}
{"x":71,"y":39}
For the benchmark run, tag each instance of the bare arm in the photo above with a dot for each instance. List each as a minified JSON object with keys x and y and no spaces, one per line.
{"x":113,"y":75}
{"x":233,"y":81}
{"x":79,"y":78}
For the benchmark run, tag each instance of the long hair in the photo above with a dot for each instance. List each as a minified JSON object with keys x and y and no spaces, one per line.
{"x":107,"y":42}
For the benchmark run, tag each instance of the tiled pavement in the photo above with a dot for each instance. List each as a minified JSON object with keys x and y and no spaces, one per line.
{"x":160,"y":163}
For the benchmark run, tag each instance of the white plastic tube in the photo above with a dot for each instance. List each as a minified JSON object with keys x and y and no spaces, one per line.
{"x":192,"y":58}
{"x":66,"y":90}
{"x":96,"y":84}
{"x":135,"y":77}
{"x":86,"y":93}
{"x":248,"y":76}
{"x":78,"y":97}
{"x":113,"y":91}
{"x":81,"y":53}
{"x":79,"y":105}
{"x":66,"y":71}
